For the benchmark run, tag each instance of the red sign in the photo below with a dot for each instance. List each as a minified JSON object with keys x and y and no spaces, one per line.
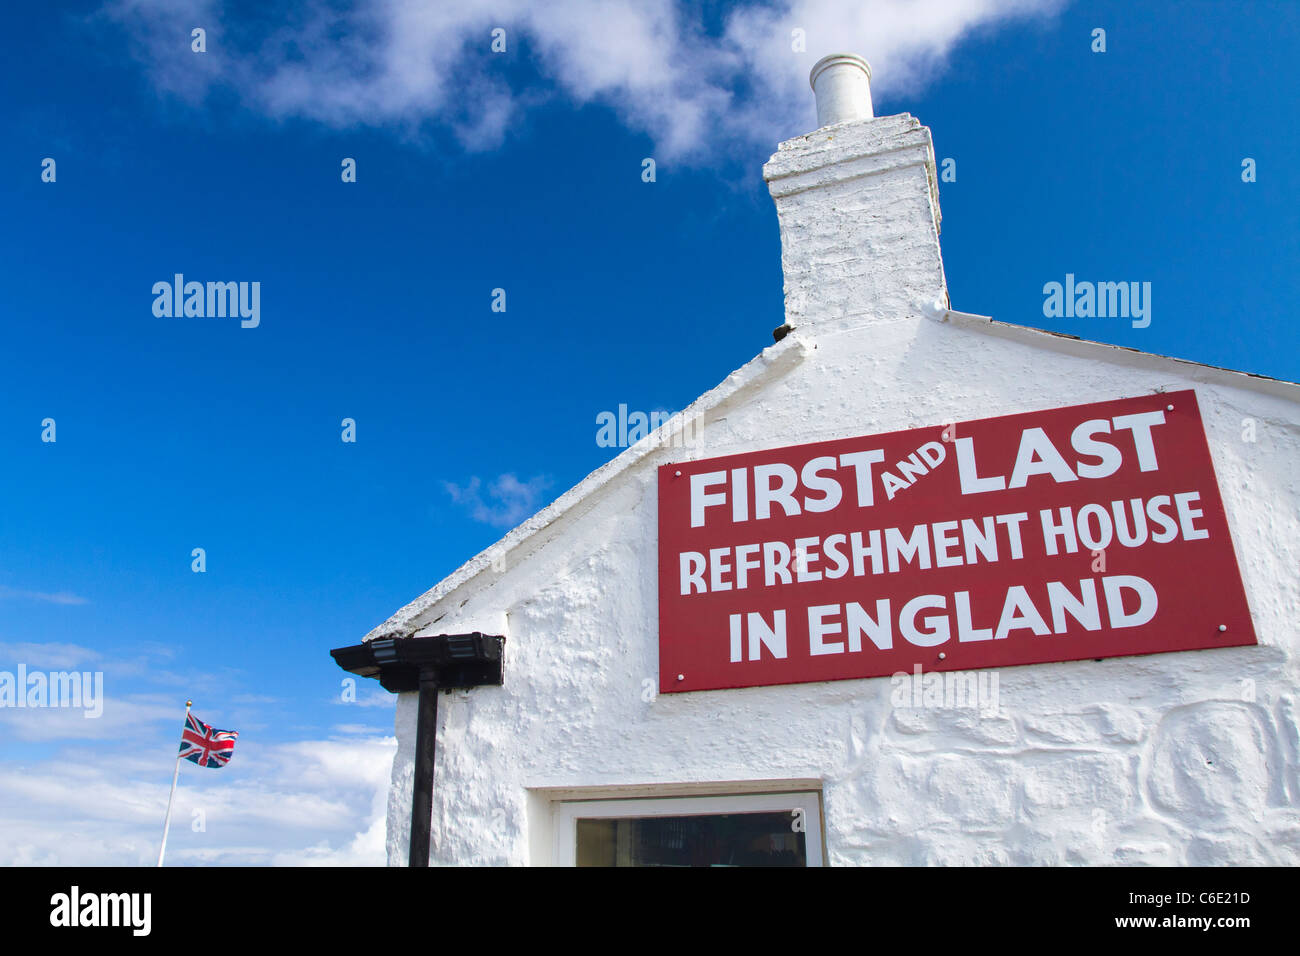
{"x":1074,"y":533}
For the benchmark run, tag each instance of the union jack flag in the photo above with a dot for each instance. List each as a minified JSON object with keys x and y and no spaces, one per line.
{"x":204,"y":745}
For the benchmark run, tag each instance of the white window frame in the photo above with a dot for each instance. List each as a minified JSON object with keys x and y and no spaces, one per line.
{"x":569,"y":812}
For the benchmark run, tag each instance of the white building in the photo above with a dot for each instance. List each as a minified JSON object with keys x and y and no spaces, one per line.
{"x":1178,"y":757}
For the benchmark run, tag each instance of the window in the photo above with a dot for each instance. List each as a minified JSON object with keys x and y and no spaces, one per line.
{"x":768,"y":829}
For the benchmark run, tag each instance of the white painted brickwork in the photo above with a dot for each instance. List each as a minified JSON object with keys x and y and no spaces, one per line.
{"x":1174,"y":758}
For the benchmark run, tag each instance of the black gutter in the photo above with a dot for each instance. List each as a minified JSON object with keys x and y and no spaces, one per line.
{"x":426,"y":665}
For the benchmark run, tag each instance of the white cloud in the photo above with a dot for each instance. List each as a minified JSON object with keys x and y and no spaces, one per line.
{"x":367,"y":848}
{"x":45,"y":597}
{"x":52,"y":655}
{"x":504,"y":503}
{"x":372,"y":698}
{"x":118,"y":715}
{"x":410,"y":65}
{"x":352,"y":729}
{"x":92,"y":792}
{"x":320,"y":802}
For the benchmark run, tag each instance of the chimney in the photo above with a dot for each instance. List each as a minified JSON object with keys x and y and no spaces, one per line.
{"x":842,"y":83}
{"x":858,"y":206}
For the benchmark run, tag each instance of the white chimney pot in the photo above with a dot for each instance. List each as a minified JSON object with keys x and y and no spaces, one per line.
{"x":842,"y":84}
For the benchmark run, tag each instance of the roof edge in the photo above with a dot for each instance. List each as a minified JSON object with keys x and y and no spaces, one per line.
{"x":1074,"y":345}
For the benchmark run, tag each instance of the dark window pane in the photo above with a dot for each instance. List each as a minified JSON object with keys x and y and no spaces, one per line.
{"x":727,"y":839}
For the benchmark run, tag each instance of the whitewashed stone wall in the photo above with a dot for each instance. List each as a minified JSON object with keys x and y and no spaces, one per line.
{"x":1177,"y":758}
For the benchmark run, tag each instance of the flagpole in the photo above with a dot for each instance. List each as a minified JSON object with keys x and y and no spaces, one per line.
{"x":167,"y":821}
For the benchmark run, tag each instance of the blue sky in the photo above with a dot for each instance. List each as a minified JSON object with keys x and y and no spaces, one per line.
{"x":479,"y":170}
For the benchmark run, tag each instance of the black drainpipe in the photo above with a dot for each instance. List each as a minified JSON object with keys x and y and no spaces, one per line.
{"x":426,"y":742}
{"x":426,"y":665}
